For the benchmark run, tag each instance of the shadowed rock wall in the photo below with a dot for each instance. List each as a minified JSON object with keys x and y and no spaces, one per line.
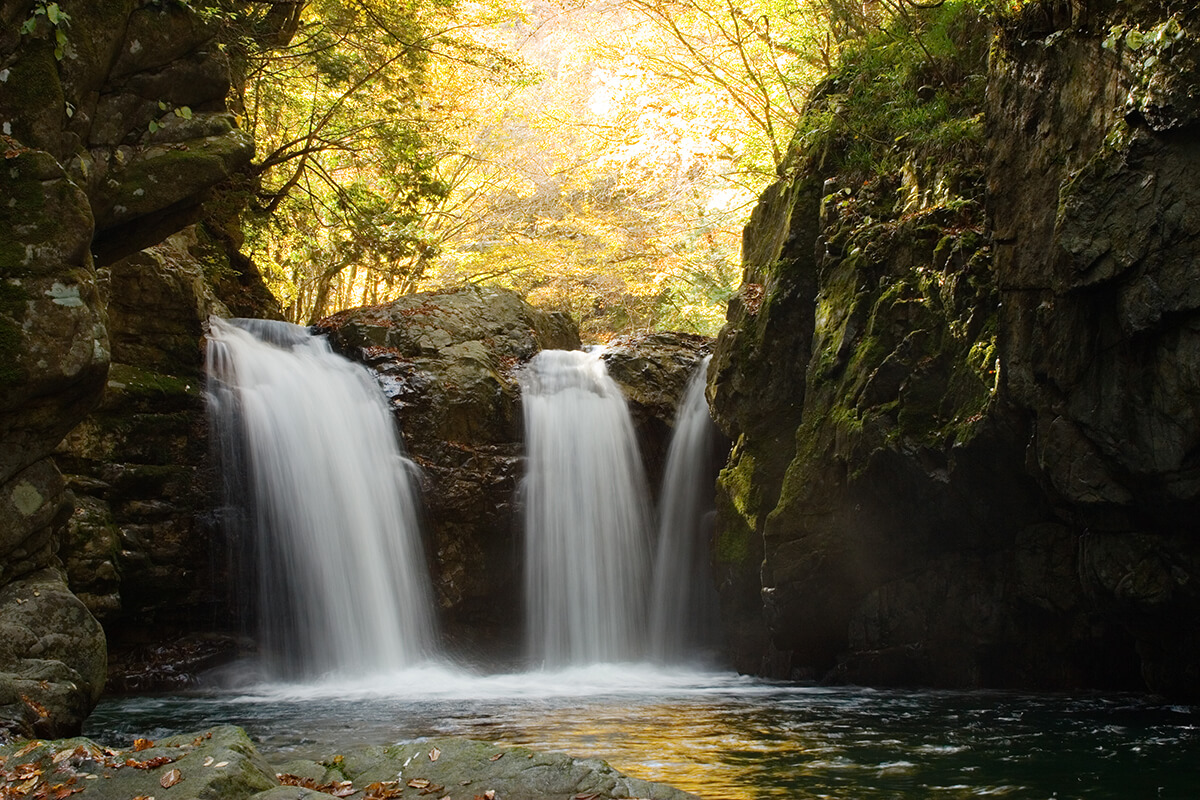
{"x":85,"y":172}
{"x":963,"y":395}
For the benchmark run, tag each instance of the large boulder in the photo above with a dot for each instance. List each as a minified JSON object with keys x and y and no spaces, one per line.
{"x":653,"y":371}
{"x":447,"y":363}
{"x":53,"y":654}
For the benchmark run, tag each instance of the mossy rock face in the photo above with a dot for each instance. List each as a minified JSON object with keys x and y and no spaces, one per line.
{"x":454,"y":767}
{"x":219,"y":764}
{"x":33,"y":503}
{"x":84,"y":174}
{"x":938,"y":406}
{"x":223,"y":764}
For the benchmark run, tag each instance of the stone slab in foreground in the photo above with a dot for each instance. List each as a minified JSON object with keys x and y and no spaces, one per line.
{"x":223,"y":764}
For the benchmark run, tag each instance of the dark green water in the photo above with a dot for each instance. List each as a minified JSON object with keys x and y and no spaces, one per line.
{"x":725,"y":737}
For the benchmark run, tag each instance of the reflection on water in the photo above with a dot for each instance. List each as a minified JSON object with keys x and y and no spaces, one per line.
{"x":722,"y":736}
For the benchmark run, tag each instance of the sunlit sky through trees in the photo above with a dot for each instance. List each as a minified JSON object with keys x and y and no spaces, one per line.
{"x":599,"y":157}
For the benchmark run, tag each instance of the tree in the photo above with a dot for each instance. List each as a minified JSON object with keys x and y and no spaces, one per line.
{"x":334,"y":93}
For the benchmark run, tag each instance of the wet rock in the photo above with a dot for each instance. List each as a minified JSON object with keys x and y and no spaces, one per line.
{"x":219,"y":763}
{"x":1097,"y":259}
{"x":467,"y":768}
{"x":171,"y":666}
{"x":223,"y":763}
{"x":52,"y":657}
{"x":447,"y":363}
{"x":653,"y":372}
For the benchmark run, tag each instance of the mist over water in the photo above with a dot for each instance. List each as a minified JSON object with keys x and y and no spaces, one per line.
{"x":320,"y":501}
{"x":587,"y":554}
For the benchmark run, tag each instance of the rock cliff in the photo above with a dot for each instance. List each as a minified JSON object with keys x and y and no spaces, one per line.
{"x":114,"y":127}
{"x":962,"y":384}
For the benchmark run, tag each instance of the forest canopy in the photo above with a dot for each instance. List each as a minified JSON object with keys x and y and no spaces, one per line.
{"x":600,"y":157}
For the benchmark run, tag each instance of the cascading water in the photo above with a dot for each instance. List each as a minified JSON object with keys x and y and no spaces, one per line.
{"x":684,"y":603}
{"x":586,"y":520}
{"x":317,"y":481}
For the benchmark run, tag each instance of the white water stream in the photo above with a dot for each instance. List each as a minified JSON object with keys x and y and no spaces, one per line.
{"x":684,"y":608}
{"x":587,"y":553}
{"x":326,"y":499}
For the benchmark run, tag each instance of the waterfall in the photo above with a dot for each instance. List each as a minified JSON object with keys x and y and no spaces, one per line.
{"x":586,"y":518}
{"x":684,"y":603}
{"x":317,"y":482}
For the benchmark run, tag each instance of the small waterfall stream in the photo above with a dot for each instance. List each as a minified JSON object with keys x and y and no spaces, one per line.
{"x":684,"y":608}
{"x":586,"y":515}
{"x":317,"y":481}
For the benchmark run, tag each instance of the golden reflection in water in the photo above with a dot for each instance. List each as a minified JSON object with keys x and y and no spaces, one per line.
{"x":710,"y":751}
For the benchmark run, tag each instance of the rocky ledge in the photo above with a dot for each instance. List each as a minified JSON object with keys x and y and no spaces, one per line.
{"x":223,"y":763}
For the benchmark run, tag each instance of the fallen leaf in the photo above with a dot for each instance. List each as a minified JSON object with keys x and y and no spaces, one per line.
{"x":220,"y":764}
{"x":150,"y":763}
{"x":588,"y":796}
{"x":418,"y":783}
{"x":208,"y":761}
{"x":433,"y":788}
{"x":342,"y":789}
{"x":496,"y":757}
{"x":36,"y":707}
{"x":144,"y":797}
{"x":490,"y":794}
{"x":142,"y":744}
{"x":29,"y":748}
{"x":435,"y":754}
{"x":288,"y":779}
{"x":30,"y":770}
{"x":170,"y":779}
{"x":24,"y":788}
{"x":383,"y":790}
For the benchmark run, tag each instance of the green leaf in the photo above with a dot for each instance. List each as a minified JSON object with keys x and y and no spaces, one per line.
{"x":184,"y":111}
{"x":29,"y":25}
{"x":52,"y":13}
{"x":154,"y":126}
{"x":162,"y":106}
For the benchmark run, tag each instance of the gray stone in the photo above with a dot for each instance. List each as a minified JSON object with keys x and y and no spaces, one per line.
{"x":220,"y":764}
{"x":465,"y":768}
{"x":52,"y":657}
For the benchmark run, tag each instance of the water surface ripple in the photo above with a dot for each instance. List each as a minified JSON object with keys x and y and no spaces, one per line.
{"x":723,"y":736}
